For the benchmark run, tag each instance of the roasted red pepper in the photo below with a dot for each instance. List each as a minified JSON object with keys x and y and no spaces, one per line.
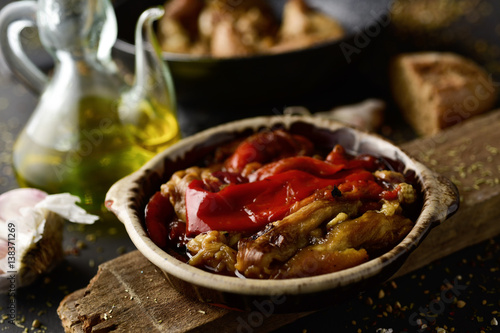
{"x":250,"y":206}
{"x":158,"y":214}
{"x":267,"y":146}
{"x":310,"y":165}
{"x":161,"y":223}
{"x":338,"y":156}
{"x":229,"y":201}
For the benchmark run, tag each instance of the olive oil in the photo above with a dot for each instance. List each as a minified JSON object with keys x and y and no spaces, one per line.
{"x":103,"y":148}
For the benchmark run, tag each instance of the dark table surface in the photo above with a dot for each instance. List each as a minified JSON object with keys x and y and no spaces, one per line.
{"x":403,"y":304}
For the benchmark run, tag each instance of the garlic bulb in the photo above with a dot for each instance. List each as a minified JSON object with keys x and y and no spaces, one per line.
{"x":31,"y":232}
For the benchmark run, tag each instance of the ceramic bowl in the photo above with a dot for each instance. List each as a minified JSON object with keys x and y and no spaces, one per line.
{"x":128,"y":197}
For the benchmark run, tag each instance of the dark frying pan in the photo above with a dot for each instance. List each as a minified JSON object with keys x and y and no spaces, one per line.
{"x":261,"y":79}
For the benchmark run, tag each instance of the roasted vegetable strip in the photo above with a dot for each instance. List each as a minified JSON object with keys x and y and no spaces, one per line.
{"x":346,"y":245}
{"x":282,"y":239}
{"x":372,"y":231}
{"x":212,"y":250}
{"x":310,"y":262}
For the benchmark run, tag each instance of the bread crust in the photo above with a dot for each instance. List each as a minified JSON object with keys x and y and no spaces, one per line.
{"x":435,"y":90}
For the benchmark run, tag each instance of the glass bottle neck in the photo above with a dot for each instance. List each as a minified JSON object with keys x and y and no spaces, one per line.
{"x":78,"y":27}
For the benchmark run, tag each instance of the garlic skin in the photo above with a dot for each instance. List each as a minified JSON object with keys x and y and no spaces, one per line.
{"x":367,"y":115}
{"x":31,"y":233}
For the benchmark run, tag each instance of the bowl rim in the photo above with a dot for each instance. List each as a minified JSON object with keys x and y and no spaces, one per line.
{"x":434,"y":211}
{"x":127,"y":47}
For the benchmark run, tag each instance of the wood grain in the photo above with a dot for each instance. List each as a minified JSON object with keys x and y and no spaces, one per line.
{"x":129,"y":294}
{"x":469,"y":155}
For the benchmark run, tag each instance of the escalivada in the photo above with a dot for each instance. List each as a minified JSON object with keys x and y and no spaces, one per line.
{"x":272,"y":207}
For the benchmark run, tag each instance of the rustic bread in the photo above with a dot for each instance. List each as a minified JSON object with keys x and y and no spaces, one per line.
{"x":436,"y":90}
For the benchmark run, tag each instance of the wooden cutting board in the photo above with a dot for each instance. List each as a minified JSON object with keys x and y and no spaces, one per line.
{"x":129,"y":294}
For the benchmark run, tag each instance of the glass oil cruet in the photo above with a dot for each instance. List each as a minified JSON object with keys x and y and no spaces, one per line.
{"x":90,"y":126}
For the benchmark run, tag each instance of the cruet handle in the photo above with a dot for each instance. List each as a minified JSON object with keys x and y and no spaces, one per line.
{"x":14,"y":18}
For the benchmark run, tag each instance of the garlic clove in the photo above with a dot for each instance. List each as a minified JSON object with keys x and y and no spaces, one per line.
{"x":31,"y":233}
{"x":367,"y":115}
{"x":11,"y":207}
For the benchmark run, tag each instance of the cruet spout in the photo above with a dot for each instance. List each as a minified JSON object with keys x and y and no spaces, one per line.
{"x":151,"y":71}
{"x":152,"y":91}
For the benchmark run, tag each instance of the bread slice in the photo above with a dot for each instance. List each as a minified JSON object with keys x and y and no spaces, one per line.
{"x":436,"y":90}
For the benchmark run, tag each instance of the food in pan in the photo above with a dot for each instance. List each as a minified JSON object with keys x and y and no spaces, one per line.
{"x":240,"y":28}
{"x":272,"y":206}
{"x":435,"y":90}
